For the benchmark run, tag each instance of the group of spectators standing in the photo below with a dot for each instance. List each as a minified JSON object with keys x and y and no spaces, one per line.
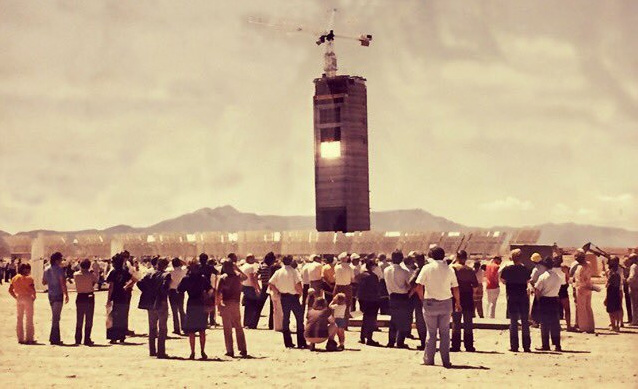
{"x":321,"y":292}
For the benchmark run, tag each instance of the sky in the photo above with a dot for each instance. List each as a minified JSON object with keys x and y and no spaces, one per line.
{"x":484,"y":112}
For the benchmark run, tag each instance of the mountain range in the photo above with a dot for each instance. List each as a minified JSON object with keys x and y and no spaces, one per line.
{"x":227,"y":218}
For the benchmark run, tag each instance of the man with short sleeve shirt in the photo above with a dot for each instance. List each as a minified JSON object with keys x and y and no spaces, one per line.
{"x":516,"y":276}
{"x":344,"y":275}
{"x":467,"y":282}
{"x":547,"y":288}
{"x":54,"y":279}
{"x":314,"y":269}
{"x":287,"y":282}
{"x":437,"y":284}
{"x":85,"y":281}
{"x":250,"y":288}
{"x":175,"y":297}
{"x":397,"y":281}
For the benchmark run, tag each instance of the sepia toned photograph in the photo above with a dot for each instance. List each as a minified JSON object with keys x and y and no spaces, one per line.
{"x":319,"y":193}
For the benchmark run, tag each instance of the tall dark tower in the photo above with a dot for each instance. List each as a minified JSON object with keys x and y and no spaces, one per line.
{"x":341,"y":154}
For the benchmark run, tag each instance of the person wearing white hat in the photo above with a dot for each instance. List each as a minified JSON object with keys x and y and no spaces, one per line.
{"x":539,"y":268}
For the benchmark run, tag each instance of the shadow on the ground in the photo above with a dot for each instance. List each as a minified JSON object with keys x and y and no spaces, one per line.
{"x":575,"y":352}
{"x":249,"y":357}
{"x":129,"y":344}
{"x":486,"y":352}
{"x":323,"y":350}
{"x":175,"y":358}
{"x":544,"y":352}
{"x":468,"y":367}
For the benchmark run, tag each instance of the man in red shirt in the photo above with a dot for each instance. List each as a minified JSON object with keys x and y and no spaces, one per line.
{"x":492,"y":286}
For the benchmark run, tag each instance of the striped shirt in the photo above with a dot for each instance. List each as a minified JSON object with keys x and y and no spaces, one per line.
{"x":265,"y":272}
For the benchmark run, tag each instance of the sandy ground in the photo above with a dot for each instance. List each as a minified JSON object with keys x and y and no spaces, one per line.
{"x":597,"y":361}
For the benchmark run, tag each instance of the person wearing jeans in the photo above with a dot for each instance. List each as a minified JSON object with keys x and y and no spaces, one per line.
{"x":397,"y":281}
{"x":466,"y":278}
{"x":546,"y":290}
{"x":516,"y":276}
{"x":287,"y":282}
{"x":85,"y":281}
{"x":53,"y":278}
{"x":437,"y":285}
{"x":155,"y":286}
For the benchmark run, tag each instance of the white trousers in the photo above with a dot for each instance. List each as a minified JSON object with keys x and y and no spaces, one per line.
{"x":492,"y":296}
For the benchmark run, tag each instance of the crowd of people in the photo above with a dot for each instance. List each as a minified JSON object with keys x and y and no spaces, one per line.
{"x":321,"y":292}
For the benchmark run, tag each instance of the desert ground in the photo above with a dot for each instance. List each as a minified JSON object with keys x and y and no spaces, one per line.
{"x":604,"y":360}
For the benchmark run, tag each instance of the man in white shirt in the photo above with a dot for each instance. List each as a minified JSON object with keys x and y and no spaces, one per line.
{"x":546,"y":290}
{"x":287,"y":282}
{"x":251,"y":290}
{"x":175,"y":297}
{"x":344,"y":275}
{"x":314,"y":274}
{"x":437,"y":284}
{"x":397,"y":282}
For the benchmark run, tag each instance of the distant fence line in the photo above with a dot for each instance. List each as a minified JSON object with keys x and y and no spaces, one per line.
{"x":260,"y":242}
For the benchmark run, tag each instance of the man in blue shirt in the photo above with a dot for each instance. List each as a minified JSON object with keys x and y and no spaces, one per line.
{"x":54,"y":278}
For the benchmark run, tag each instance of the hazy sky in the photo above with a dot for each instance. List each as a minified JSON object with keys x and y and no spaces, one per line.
{"x":487,"y":112}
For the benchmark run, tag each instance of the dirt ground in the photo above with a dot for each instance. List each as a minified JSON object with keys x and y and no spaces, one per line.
{"x":603,"y":360}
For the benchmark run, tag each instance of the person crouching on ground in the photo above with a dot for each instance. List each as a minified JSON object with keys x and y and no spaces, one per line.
{"x":23,"y":290}
{"x":228,"y":299}
{"x":155,"y":286}
{"x":320,"y":326}
{"x":339,"y":308}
